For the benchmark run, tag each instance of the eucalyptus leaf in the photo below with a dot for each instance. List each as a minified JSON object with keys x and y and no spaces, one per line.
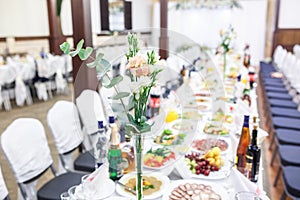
{"x":114,"y":81}
{"x":65,"y":47}
{"x":130,"y":102}
{"x":91,"y":64}
{"x":85,"y":53}
{"x":78,"y":48}
{"x":99,"y":57}
{"x":121,"y":95}
{"x":105,"y":81}
{"x":102,"y":68}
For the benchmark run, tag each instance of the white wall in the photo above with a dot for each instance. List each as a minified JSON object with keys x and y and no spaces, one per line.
{"x":23,"y":18}
{"x":141,"y":14}
{"x":289,"y":14}
{"x":203,"y":25}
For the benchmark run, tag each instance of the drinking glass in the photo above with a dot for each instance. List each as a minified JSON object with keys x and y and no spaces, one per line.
{"x":244,"y":195}
{"x":65,"y":196}
{"x":88,"y":187}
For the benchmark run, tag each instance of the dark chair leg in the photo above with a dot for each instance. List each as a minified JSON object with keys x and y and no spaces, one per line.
{"x":272,"y":139}
{"x":274,"y":155}
{"x":283,"y":196}
{"x":6,"y":198}
{"x":277,"y":176}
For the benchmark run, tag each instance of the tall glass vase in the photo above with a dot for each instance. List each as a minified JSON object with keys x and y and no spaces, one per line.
{"x":138,"y":154}
{"x":224,"y":66}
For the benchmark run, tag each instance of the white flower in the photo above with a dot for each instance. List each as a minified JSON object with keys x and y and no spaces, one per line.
{"x":141,"y":82}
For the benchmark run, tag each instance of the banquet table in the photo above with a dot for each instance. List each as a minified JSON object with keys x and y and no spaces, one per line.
{"x":233,"y":181}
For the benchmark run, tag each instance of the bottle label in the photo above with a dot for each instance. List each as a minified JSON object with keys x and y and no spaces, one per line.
{"x":154,"y":102}
{"x":115,"y":167}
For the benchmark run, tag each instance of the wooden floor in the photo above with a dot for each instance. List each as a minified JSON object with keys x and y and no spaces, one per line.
{"x":39,"y":111}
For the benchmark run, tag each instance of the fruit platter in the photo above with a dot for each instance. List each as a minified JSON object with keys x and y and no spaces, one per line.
{"x":211,"y":165}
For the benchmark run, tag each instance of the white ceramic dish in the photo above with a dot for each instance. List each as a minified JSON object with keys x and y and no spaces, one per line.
{"x":164,"y":179}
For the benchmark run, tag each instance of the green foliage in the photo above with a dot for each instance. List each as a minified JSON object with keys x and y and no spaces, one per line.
{"x":151,"y":58}
{"x":121,"y":95}
{"x":58,"y":7}
{"x":85,"y":53}
{"x":65,"y":47}
{"x":133,"y":45}
{"x":114,"y":81}
{"x":78,"y":48}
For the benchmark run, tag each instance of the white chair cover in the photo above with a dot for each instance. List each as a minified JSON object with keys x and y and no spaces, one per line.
{"x":20,"y":91}
{"x":61,"y":83}
{"x":63,"y":121}
{"x":3,"y":189}
{"x":91,"y":110}
{"x":41,"y":90}
{"x":25,"y":146}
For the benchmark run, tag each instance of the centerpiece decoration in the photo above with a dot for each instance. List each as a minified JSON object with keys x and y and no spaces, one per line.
{"x":226,"y":45}
{"x":143,"y":74}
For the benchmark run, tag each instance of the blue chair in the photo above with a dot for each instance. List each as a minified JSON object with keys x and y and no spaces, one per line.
{"x":291,"y":182}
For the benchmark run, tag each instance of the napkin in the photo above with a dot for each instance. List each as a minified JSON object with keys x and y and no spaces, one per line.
{"x":100,"y":175}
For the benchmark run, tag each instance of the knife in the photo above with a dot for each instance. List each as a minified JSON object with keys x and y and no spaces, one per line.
{"x":129,"y":189}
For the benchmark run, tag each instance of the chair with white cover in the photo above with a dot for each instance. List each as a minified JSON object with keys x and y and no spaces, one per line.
{"x":3,"y":189}
{"x":64,"y":123}
{"x":25,"y":146}
{"x":91,"y":111}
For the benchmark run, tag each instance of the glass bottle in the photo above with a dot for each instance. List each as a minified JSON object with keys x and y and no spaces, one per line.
{"x":242,"y":146}
{"x":115,"y":155}
{"x":101,"y":146}
{"x":128,"y":155}
{"x":246,"y":96}
{"x":253,"y":157}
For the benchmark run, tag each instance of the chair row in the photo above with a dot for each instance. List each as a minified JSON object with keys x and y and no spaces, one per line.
{"x":25,"y":145}
{"x":281,"y":99}
{"x":22,"y":78}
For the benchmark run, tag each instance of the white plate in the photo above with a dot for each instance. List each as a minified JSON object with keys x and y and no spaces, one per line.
{"x":186,"y":173}
{"x":167,"y":164}
{"x":164,"y":179}
{"x":216,"y":137}
{"x":100,"y":194}
{"x":216,"y":188}
{"x":186,"y":126}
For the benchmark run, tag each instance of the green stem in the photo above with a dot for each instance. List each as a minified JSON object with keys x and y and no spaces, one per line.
{"x":139,"y":179}
{"x":224,"y":65}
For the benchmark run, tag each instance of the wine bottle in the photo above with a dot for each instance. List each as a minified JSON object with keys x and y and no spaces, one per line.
{"x":253,"y":157}
{"x":101,"y":146}
{"x":242,"y":146}
{"x":115,"y":155}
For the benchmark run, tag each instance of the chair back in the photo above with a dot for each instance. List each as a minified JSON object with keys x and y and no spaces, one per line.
{"x":91,"y":110}
{"x":3,"y":188}
{"x":63,"y":121}
{"x":25,"y":145}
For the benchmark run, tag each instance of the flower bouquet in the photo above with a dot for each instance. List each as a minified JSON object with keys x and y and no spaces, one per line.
{"x":143,"y":74}
{"x":226,"y":45}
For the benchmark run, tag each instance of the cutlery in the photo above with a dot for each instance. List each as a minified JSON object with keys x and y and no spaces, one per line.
{"x":126,"y":187}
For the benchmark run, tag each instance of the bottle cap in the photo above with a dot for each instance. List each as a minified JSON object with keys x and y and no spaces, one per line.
{"x":100,"y":124}
{"x":111,"y":119}
{"x":246,"y":118}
